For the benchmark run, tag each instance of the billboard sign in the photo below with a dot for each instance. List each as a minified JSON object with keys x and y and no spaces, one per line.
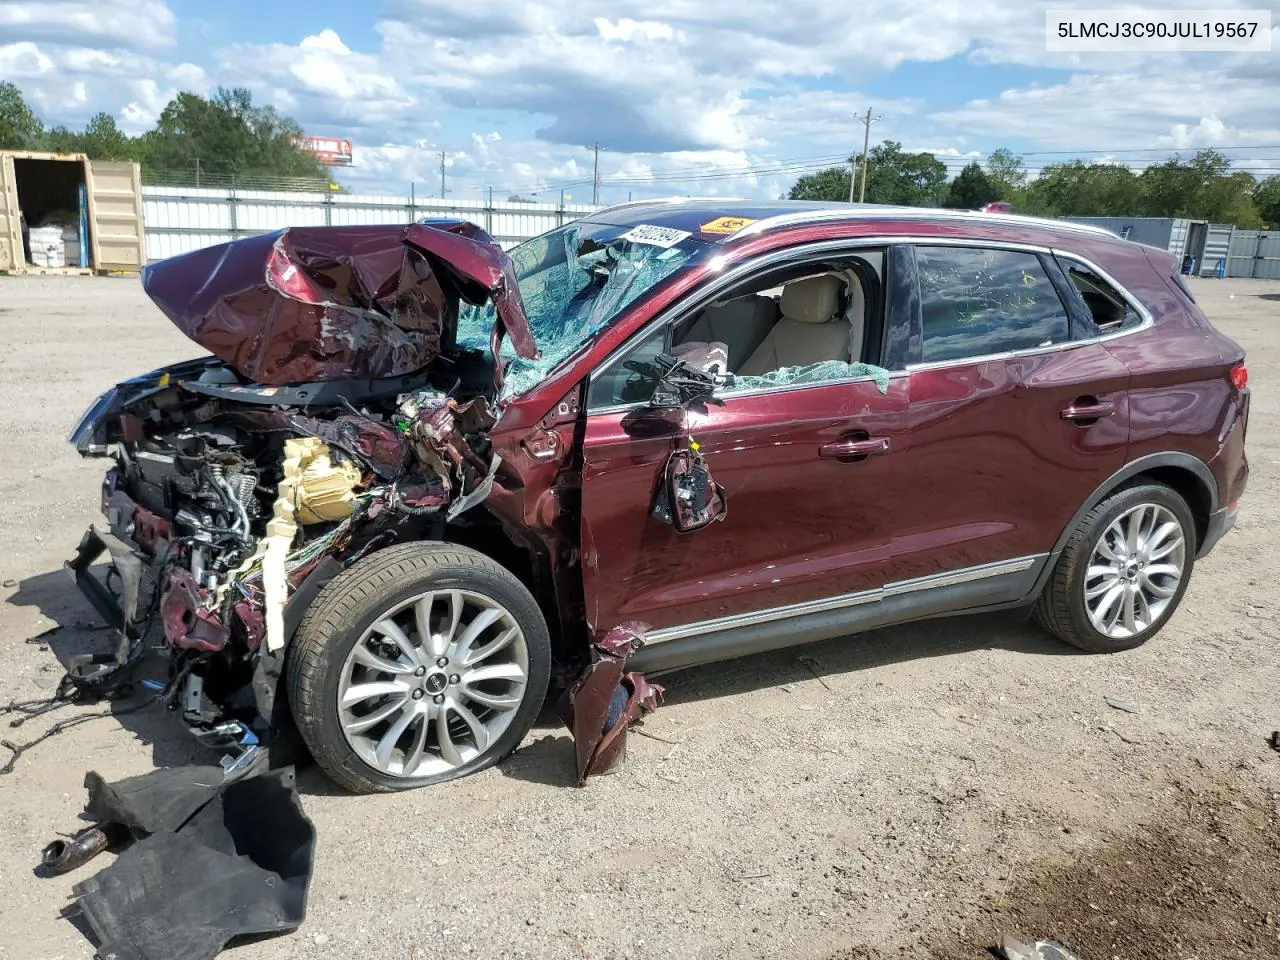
{"x":332,"y":151}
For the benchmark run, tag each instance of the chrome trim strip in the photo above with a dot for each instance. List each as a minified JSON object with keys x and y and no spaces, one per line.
{"x":856,"y":213}
{"x":965,"y":575}
{"x":951,"y":578}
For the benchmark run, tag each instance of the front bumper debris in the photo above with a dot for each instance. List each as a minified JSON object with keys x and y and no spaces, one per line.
{"x":118,"y":609}
{"x":204,"y":861}
{"x":604,"y":702}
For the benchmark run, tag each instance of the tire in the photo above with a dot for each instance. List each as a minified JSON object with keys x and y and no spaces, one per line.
{"x":1078,"y":586}
{"x":378,"y":605}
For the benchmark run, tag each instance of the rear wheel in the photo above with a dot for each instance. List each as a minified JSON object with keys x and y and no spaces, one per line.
{"x":1123,"y":572}
{"x":420,"y":664}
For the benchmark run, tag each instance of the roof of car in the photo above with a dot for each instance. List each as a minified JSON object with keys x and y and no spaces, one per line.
{"x":719,"y":219}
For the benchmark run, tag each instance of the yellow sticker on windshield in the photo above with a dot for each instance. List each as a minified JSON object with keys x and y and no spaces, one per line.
{"x":725,"y":225}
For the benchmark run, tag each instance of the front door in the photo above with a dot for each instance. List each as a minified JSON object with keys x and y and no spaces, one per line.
{"x":806,"y":519}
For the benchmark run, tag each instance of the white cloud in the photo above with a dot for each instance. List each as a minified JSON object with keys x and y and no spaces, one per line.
{"x":123,"y":23}
{"x":322,"y":79}
{"x":189,"y":76}
{"x":515,"y":92}
{"x":1175,"y":104}
{"x":21,"y":61}
{"x":628,"y":29}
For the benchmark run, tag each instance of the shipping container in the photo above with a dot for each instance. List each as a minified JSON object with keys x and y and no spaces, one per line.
{"x":62,"y":212}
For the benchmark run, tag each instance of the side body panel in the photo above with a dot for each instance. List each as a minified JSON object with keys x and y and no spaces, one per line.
{"x":997,"y":470}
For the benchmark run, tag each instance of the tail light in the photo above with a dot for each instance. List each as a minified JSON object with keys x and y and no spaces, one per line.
{"x":1240,"y":376}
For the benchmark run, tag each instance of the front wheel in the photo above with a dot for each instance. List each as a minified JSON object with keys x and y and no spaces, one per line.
{"x":1123,"y":572}
{"x":422,"y":663}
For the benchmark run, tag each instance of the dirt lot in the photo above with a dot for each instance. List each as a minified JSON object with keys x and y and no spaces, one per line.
{"x":938,"y":785}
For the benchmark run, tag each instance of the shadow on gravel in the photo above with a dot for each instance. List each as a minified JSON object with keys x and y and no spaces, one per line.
{"x":549,"y":760}
{"x":952,"y":636}
{"x":79,"y":631}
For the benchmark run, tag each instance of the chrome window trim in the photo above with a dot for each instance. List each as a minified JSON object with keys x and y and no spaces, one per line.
{"x":1148,"y":320}
{"x":933,"y":581}
{"x":864,"y":214}
{"x":707,"y":293}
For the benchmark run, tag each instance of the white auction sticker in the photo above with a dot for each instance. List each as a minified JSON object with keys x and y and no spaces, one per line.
{"x":1148,"y":31}
{"x":655,"y":236}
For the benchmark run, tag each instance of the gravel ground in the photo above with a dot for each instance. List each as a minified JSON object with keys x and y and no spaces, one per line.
{"x":882,"y":807}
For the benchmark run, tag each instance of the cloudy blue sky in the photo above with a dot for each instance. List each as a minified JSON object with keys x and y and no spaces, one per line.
{"x":686,"y":96}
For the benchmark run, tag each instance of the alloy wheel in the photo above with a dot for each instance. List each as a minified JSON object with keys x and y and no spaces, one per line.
{"x":1134,"y":571}
{"x":433,"y":683}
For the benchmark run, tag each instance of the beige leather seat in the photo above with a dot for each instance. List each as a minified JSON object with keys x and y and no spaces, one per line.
{"x":740,"y":324}
{"x":811,"y":329}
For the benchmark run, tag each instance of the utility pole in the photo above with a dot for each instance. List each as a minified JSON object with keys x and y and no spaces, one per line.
{"x":442,"y":156}
{"x":867,"y":121}
{"x":595,"y":178}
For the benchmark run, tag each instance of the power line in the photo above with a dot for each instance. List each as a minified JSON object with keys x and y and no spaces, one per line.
{"x":953,"y":163}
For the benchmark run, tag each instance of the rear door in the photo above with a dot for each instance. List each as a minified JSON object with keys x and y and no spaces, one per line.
{"x":11,"y":255}
{"x":1014,"y":422}
{"x":115,"y":215}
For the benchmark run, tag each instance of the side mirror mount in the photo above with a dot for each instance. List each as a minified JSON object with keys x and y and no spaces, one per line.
{"x":682,"y":385}
{"x":688,"y":497}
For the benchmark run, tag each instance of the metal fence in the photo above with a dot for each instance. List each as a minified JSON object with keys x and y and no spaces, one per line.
{"x":181,"y":219}
{"x":1254,"y":253}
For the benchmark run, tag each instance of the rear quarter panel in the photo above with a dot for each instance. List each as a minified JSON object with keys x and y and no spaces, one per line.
{"x":1181,"y":396}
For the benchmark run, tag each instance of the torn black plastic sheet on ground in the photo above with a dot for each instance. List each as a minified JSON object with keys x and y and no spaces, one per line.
{"x":216,"y":862}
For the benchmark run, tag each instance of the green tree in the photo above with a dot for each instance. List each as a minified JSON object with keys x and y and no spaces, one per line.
{"x":1266,"y":200}
{"x":1077,"y":188}
{"x":971,"y":189}
{"x":20,"y":128}
{"x":227,"y":134}
{"x":1006,"y":172}
{"x":908,"y":179}
{"x":103,"y":140}
{"x":100,"y":140}
{"x":1202,"y":188}
{"x":829,"y":184}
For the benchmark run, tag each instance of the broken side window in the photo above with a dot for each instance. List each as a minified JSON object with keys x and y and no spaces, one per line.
{"x":825,"y":371}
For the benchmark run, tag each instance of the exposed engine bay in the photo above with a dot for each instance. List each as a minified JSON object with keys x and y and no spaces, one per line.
{"x":218,"y":511}
{"x":236,"y":483}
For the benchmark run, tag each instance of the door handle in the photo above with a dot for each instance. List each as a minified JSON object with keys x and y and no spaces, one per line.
{"x":1087,"y":409}
{"x":848,"y":449}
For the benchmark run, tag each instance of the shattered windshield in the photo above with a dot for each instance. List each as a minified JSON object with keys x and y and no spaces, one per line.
{"x":574,"y":281}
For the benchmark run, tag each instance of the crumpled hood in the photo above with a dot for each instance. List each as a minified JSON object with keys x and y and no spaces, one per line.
{"x":308,"y":304}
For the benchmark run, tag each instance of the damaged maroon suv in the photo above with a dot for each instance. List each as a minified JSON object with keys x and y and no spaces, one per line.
{"x":420,"y":480}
